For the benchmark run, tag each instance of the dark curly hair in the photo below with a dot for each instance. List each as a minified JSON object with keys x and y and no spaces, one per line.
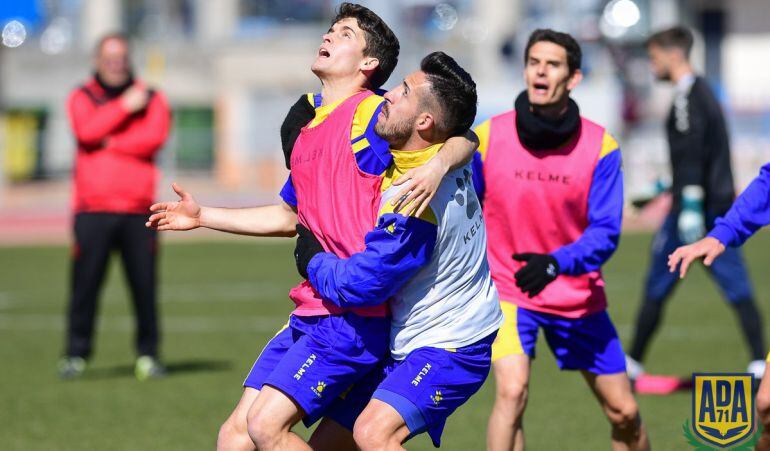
{"x":453,"y":94}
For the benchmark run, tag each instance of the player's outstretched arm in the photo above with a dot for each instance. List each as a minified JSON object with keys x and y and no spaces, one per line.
{"x":183,"y":214}
{"x":421,"y":183}
{"x":187,"y":214}
{"x":749,"y":213}
{"x":708,"y":248}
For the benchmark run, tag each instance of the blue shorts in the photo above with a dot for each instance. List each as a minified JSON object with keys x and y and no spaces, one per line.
{"x":425,"y":388}
{"x":314,"y":359}
{"x":589,"y":343}
{"x":729,"y":270}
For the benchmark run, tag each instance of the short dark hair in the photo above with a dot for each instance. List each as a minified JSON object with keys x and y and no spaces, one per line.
{"x":381,"y":42}
{"x":574,"y":54}
{"x":675,"y":37}
{"x":119,"y":35}
{"x":453,"y":92}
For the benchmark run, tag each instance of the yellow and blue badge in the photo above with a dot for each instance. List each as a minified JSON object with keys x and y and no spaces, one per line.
{"x":722,"y":409}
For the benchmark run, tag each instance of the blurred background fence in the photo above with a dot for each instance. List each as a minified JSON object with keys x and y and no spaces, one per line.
{"x":231,"y":69}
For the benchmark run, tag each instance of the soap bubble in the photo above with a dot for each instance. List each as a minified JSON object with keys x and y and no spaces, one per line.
{"x":14,"y":34}
{"x":444,"y":16}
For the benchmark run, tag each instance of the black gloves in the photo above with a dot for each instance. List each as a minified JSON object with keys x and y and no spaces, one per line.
{"x":307,"y":246}
{"x":299,"y":115}
{"x":540,"y":270}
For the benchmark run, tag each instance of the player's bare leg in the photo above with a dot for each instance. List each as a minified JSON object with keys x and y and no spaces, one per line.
{"x":763,"y":409}
{"x":506,"y":423}
{"x":233,"y":434}
{"x":380,"y":427}
{"x":614,"y":394}
{"x":270,"y":420}
{"x":332,"y":436}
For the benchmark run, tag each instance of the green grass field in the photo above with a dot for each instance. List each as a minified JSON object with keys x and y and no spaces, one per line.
{"x":221,"y":301}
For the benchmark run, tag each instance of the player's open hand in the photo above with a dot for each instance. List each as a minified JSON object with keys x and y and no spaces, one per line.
{"x":419,"y":187}
{"x":183,"y":214}
{"x":708,"y":247}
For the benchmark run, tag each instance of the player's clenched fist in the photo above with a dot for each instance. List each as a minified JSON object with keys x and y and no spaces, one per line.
{"x":539,"y":271}
{"x":708,"y":247}
{"x":183,"y":214}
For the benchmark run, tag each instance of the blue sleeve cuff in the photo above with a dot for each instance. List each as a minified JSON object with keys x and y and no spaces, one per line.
{"x":563,"y":259}
{"x":724,"y":234}
{"x":315,"y":264}
{"x":288,"y":194}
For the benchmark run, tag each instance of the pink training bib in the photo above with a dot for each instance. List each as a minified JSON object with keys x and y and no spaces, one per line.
{"x":537,"y":201}
{"x":335,"y":199}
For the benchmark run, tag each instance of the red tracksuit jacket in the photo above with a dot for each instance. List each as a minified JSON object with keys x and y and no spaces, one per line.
{"x":115,"y":168}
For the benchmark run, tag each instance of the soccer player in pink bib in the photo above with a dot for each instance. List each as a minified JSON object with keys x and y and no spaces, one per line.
{"x":551,"y":186}
{"x":337,"y":164}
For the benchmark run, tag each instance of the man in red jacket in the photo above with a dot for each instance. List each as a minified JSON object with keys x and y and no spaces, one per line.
{"x":119,"y":125}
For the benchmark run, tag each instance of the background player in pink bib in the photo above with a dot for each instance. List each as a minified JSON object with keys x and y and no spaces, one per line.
{"x":551,"y":186}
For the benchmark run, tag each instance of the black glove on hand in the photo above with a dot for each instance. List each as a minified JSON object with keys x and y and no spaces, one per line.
{"x":540,"y":270}
{"x":307,"y":246}
{"x":299,"y":115}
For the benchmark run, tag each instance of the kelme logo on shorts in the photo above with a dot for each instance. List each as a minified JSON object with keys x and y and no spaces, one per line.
{"x":319,"y":388}
{"x":302,"y":369}
{"x":423,"y":372}
{"x":722,"y":411}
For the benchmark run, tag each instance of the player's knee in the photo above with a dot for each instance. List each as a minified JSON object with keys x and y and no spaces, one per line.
{"x":232,"y":434}
{"x":625,"y":416}
{"x":368,"y":434}
{"x":262,"y":429}
{"x":513,"y":394}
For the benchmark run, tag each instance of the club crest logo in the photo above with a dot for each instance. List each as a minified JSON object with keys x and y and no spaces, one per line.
{"x":319,"y":388}
{"x":437,"y":397}
{"x":722,"y":409}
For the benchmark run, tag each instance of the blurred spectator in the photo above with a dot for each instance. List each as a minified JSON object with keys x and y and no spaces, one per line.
{"x":120,"y":125}
{"x":702,"y":190}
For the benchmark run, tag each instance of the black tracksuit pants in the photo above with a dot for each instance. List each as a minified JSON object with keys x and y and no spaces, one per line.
{"x":96,"y":235}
